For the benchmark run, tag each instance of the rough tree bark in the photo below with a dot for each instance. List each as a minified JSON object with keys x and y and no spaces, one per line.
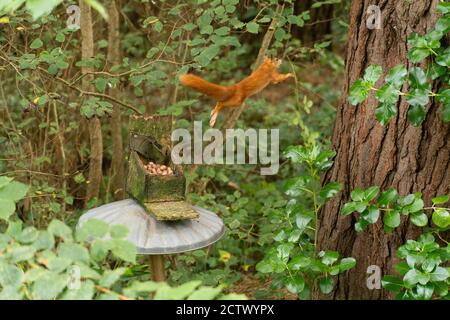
{"x":398,"y":155}
{"x":117,"y":164}
{"x":95,"y":128}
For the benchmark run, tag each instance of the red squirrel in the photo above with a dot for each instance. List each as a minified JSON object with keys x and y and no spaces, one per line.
{"x":233,"y":96}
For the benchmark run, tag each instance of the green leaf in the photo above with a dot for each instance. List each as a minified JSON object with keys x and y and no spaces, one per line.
{"x":392,"y":219}
{"x":124,"y":250}
{"x":439,"y":274}
{"x":329,"y":257}
{"x":387,"y":197}
{"x":202,"y":293}
{"x":14,"y":191}
{"x":92,"y":228}
{"x":388,"y":94}
{"x":187,"y":289}
{"x":418,"y":79}
{"x":100,"y":84}
{"x":357,"y":195}
{"x":359,"y":92}
{"x":279,"y":34}
{"x":416,"y":55}
{"x":118,"y":231}
{"x":4,"y":181}
{"x":441,"y":218}
{"x":384,"y":113}
{"x":346,"y":264}
{"x":326,"y":285}
{"x":7,"y":208}
{"x":420,"y":219}
{"x":73,"y":252}
{"x":392,"y":283}
{"x":28,"y":235}
{"x":330,"y":190}
{"x":21,"y":253}
{"x":371,"y":214}
{"x":416,"y":115}
{"x":418,"y":97}
{"x":371,"y":193}
{"x":110,"y":277}
{"x":349,"y":208}
{"x":295,"y":284}
{"x":299,"y":262}
{"x":264,"y":267}
{"x":440,"y":199}
{"x":10,"y":275}
{"x":252,"y":27}
{"x":443,"y":59}
{"x":86,"y":291}
{"x":49,"y":286}
{"x":41,"y":8}
{"x":36,"y":44}
{"x":397,"y":75}
{"x":373,"y":73}
{"x":59,"y":229}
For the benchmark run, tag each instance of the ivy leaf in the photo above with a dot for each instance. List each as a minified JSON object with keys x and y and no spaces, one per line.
{"x":418,"y":97}
{"x":441,"y":218}
{"x":373,"y":73}
{"x":443,"y":59}
{"x":359,"y":92}
{"x":346,"y":264}
{"x":440,"y":199}
{"x":392,"y":283}
{"x":326,"y":285}
{"x":371,"y":214}
{"x":418,"y":79}
{"x":392,"y":219}
{"x":420,"y":219}
{"x":388,"y":94}
{"x":387,"y":197}
{"x":295,"y":284}
{"x":416,"y":115}
{"x":397,"y":75}
{"x":384,"y":113}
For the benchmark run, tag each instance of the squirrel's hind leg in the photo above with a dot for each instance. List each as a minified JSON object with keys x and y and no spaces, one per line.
{"x":214,"y":114}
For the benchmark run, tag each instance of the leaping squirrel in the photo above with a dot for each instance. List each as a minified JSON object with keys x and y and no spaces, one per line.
{"x":233,"y":96}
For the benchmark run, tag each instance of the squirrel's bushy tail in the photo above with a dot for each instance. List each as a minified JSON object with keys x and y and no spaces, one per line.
{"x":215,"y":91}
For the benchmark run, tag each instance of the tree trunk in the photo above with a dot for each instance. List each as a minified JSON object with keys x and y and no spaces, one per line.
{"x":95,"y":128}
{"x":118,"y":175}
{"x":399,"y":155}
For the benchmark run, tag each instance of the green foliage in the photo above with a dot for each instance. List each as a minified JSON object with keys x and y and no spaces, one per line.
{"x":422,"y":272}
{"x":423,"y":277}
{"x":421,"y":47}
{"x":294,"y":261}
{"x":56,"y":263}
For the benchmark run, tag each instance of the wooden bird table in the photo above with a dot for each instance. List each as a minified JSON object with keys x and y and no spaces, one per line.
{"x":159,"y":219}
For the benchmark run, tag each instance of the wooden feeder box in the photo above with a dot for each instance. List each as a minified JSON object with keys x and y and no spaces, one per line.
{"x":162,"y":196}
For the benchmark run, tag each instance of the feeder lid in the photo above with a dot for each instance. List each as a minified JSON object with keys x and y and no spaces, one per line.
{"x":151,"y":236}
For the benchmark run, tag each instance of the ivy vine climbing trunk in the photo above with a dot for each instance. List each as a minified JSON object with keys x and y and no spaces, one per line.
{"x":410,"y":159}
{"x":117,"y":164}
{"x":95,"y":128}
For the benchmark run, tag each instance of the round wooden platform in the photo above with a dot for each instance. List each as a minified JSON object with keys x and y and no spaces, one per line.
{"x":159,"y":237}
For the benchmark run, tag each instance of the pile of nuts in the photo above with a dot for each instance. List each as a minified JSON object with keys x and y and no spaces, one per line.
{"x":158,"y":169}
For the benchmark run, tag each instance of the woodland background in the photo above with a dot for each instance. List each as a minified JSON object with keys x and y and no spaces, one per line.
{"x":65,"y":100}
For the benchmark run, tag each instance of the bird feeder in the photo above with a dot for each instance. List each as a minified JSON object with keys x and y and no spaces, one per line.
{"x":162,"y":195}
{"x":159,"y":220}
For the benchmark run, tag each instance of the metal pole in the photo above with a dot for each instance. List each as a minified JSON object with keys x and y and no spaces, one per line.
{"x":157,"y":266}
